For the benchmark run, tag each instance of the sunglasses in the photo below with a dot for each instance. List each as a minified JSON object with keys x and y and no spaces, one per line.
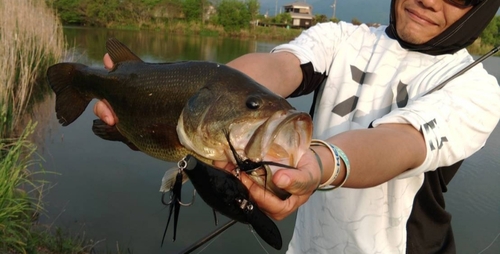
{"x":464,"y":3}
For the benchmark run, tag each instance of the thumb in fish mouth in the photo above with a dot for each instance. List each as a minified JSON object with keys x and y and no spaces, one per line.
{"x":300,"y":181}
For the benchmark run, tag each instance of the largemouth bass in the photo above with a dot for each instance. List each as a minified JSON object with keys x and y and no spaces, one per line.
{"x":205,"y":109}
{"x":169,"y":110}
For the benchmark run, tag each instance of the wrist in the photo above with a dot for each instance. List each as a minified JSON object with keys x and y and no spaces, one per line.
{"x":336,"y":167}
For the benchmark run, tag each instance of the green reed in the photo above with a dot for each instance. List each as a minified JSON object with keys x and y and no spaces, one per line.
{"x":19,"y":191}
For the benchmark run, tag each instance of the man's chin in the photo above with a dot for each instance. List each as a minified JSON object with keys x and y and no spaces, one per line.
{"x":411,"y":37}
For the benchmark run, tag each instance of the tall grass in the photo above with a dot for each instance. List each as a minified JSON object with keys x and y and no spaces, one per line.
{"x":19,"y":193}
{"x":31,"y":39}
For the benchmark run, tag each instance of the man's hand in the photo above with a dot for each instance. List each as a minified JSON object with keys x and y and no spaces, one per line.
{"x":300,"y":182}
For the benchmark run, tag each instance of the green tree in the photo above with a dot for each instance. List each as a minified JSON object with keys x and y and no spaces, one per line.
{"x":283,"y":18}
{"x":491,"y":35}
{"x":320,"y":18}
{"x":335,"y":20}
{"x":100,"y":12}
{"x":192,"y":10}
{"x":356,"y":21}
{"x":68,"y":11}
{"x":233,"y":15}
{"x":253,"y":7}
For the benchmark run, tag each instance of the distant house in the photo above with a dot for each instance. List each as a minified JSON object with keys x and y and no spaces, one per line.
{"x":301,"y":14}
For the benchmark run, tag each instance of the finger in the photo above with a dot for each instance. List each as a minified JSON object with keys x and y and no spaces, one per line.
{"x":104,"y":111}
{"x":297,"y":182}
{"x":270,"y":204}
{"x":108,"y":63}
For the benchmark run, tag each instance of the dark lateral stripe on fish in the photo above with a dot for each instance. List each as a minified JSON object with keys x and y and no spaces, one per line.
{"x":119,"y":52}
{"x":70,"y":103}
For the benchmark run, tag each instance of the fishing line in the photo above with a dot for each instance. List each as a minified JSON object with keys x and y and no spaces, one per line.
{"x":256,"y":238}
{"x":208,"y":237}
{"x":208,"y":244}
{"x":487,"y":247}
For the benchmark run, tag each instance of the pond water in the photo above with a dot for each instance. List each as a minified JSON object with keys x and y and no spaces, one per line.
{"x":104,"y":191}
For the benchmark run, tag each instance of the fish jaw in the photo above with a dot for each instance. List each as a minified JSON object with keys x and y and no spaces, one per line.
{"x":283,"y":138}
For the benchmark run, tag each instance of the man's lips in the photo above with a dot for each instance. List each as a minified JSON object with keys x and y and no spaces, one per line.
{"x":418,"y":17}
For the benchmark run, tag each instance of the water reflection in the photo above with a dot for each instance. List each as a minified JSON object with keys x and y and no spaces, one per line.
{"x":158,"y":46}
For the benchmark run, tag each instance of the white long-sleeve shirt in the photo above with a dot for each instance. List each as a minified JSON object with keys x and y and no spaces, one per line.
{"x":372,"y":80}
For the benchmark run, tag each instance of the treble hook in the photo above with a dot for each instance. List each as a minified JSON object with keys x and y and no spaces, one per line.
{"x":175,"y":199}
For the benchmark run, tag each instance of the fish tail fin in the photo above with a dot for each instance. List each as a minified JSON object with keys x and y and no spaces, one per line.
{"x":265,"y":228}
{"x":70,"y":103}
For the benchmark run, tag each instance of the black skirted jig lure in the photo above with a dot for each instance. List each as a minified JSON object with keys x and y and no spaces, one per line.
{"x":175,"y":202}
{"x":226,"y":194}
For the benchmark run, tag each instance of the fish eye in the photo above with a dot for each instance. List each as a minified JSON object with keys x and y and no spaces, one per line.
{"x":253,"y":102}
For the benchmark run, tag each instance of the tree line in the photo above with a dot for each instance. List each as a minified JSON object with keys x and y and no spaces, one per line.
{"x":232,"y":15}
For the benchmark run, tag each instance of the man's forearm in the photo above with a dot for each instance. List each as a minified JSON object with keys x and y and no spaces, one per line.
{"x":376,"y":155}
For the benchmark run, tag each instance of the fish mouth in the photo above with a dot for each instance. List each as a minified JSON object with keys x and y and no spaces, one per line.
{"x":269,"y":143}
{"x":283,"y":138}
{"x":279,"y":142}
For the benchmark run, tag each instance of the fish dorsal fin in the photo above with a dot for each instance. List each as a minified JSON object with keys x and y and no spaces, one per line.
{"x":119,"y":52}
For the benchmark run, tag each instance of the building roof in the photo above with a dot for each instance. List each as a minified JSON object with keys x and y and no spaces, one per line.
{"x":299,"y":4}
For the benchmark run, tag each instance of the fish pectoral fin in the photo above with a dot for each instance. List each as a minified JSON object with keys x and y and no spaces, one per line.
{"x":111,"y":133}
{"x":265,"y":228}
{"x":119,"y":52}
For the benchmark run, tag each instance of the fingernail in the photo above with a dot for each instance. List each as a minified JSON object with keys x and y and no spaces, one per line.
{"x":283,"y":181}
{"x":108,"y":119}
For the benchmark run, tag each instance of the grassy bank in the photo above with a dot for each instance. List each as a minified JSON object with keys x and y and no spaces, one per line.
{"x":477,"y":48}
{"x":19,"y":195}
{"x":21,"y":192}
{"x":31,"y":39}
{"x":194,"y":28}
